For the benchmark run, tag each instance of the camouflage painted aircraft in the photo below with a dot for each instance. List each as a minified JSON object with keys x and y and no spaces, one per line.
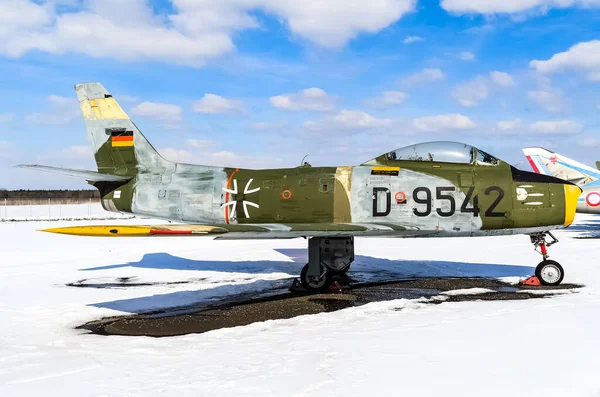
{"x":547,"y":163}
{"x":435,"y":189}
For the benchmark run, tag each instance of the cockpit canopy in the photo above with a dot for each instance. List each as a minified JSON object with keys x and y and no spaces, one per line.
{"x":441,"y":151}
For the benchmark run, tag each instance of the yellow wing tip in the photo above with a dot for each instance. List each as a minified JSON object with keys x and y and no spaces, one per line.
{"x":57,"y":230}
{"x":101,"y":231}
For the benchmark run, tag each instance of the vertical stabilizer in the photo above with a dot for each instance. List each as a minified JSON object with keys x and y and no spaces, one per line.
{"x":119,"y":146}
{"x":549,"y":163}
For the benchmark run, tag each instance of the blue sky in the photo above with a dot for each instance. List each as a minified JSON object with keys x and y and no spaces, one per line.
{"x":260,"y":83}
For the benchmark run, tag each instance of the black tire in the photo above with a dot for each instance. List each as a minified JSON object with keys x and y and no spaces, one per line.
{"x":550,"y":273}
{"x":342,"y":271}
{"x":310,"y":286}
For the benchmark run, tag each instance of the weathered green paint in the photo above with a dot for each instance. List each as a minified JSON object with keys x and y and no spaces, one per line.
{"x":309,"y":201}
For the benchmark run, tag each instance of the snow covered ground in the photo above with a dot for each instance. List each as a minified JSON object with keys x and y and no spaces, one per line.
{"x":537,"y":347}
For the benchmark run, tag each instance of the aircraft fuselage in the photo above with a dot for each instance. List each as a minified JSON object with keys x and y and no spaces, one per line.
{"x":425,"y":197}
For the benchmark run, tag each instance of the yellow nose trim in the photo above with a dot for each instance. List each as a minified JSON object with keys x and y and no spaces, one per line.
{"x":572,"y":193}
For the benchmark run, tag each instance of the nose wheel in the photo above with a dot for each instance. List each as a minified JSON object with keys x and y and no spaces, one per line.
{"x":549,"y":272}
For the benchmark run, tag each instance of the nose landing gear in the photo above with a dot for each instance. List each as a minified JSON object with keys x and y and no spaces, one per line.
{"x":549,"y":272}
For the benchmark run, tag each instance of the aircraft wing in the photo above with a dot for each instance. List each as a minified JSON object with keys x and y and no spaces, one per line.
{"x":85,"y":174}
{"x":246,"y":231}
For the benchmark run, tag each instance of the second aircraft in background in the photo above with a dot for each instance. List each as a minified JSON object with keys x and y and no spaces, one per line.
{"x":545,"y":162}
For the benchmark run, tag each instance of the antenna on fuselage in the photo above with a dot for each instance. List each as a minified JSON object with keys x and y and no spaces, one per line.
{"x":302,"y":162}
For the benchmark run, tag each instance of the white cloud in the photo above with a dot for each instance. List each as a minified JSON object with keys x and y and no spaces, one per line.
{"x":551,"y":99}
{"x":502,"y":79}
{"x":176,"y":155}
{"x":542,"y":127}
{"x":467,"y":56}
{"x":197,"y":31}
{"x":509,"y":125}
{"x":348,"y":120}
{"x":478,"y":89}
{"x":590,"y":142}
{"x":331,"y":23}
{"x":158,"y":111}
{"x":5,"y":117}
{"x":215,"y":104}
{"x":78,"y":156}
{"x":126,"y":98}
{"x":472,"y":92}
{"x":509,"y":6}
{"x":427,"y":75}
{"x":57,"y":100}
{"x":62,"y":111}
{"x":268,"y":126}
{"x":200,"y":143}
{"x":413,"y":39}
{"x":584,"y":56}
{"x":358,"y":119}
{"x":556,"y":127}
{"x":314,"y":99}
{"x":78,"y":152}
{"x":443,"y":122}
{"x":219,"y":158}
{"x":229,"y":159}
{"x":387,"y":99}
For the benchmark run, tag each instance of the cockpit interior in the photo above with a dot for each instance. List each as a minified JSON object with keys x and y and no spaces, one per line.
{"x":441,"y":151}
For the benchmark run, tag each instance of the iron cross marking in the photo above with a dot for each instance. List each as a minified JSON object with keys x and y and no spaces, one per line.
{"x":236,"y":197}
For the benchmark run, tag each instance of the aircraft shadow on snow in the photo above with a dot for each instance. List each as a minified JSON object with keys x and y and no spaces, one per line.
{"x":590,"y":228}
{"x":365,"y":268}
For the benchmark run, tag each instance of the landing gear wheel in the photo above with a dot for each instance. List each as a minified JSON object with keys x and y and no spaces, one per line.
{"x":341,"y":271}
{"x":549,"y":272}
{"x":315,"y":284}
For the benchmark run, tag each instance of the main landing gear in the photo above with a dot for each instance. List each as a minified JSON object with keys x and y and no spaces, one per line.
{"x":549,"y":272}
{"x":327,"y":256}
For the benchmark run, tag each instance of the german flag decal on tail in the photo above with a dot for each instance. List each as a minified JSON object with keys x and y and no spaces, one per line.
{"x":121,"y":138}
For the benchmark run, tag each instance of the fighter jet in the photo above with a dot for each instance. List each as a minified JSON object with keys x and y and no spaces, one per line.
{"x":433,"y":189}
{"x":548,"y":163}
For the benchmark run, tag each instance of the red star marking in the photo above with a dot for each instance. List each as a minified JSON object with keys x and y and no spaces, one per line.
{"x":553,"y":159}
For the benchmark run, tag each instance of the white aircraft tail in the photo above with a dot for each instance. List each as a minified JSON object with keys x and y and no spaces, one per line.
{"x":549,"y":163}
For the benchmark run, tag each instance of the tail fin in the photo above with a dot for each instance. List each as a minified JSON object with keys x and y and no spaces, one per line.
{"x":119,"y":146}
{"x":545,"y":162}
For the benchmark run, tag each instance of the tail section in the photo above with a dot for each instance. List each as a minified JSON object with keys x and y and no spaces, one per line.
{"x":545,"y":162}
{"x":119,"y":146}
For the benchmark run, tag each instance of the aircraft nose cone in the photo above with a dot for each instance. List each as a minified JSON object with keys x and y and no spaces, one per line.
{"x":572,"y":193}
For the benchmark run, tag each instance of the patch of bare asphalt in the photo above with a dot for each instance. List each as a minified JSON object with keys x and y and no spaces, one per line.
{"x":234,"y":312}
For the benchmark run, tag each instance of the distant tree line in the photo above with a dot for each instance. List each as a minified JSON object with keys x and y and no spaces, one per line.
{"x":49,"y":194}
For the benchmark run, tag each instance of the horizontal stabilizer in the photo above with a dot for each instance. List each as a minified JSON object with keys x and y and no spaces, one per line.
{"x":92,"y":176}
